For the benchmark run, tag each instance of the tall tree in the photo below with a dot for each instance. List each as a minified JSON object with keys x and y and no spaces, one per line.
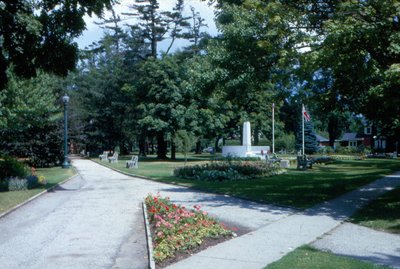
{"x":163,"y":99}
{"x":361,"y":48}
{"x":152,"y":23}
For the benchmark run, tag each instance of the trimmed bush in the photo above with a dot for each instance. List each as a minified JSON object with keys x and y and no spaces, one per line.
{"x":220,"y":171}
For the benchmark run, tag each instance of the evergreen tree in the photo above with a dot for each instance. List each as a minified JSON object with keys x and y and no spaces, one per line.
{"x":310,"y":139}
{"x":30,"y":125}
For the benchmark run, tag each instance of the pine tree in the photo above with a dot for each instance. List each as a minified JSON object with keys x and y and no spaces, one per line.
{"x":310,"y":139}
{"x":153,"y":24}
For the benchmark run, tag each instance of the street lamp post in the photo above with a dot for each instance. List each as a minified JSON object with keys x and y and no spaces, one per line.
{"x":65,"y":100}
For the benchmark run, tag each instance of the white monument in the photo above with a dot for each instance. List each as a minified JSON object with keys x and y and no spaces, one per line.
{"x":246,"y":150}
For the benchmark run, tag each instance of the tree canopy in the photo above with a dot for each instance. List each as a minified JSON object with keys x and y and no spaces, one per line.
{"x":39,"y":34}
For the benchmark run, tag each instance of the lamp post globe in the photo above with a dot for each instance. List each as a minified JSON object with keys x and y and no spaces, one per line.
{"x":65,"y":100}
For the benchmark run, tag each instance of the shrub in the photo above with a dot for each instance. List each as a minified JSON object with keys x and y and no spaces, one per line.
{"x":33,"y":181}
{"x":17,"y":184}
{"x":220,"y":171}
{"x":11,"y":168}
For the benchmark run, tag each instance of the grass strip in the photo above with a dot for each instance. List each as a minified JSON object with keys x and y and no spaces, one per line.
{"x":53,"y":176}
{"x":381,"y":214}
{"x":307,"y":257}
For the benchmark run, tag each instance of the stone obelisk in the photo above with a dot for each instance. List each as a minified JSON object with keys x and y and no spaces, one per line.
{"x":247,"y":136}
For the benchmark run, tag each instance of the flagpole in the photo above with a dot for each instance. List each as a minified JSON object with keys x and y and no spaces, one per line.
{"x":302,"y":131}
{"x":273,"y":128}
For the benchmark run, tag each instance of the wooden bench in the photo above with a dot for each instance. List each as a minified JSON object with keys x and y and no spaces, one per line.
{"x":104,"y":156}
{"x":303,"y":163}
{"x":133,"y":163}
{"x":114,"y":158}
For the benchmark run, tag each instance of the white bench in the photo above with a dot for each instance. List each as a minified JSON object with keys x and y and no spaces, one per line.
{"x":114,"y":158}
{"x":104,"y":156}
{"x":133,"y":163}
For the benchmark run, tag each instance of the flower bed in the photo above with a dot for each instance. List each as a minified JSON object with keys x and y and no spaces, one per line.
{"x":175,"y":228}
{"x":220,"y":171}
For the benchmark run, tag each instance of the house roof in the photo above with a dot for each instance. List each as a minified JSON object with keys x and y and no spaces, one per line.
{"x":321,"y":138}
{"x":351,"y":137}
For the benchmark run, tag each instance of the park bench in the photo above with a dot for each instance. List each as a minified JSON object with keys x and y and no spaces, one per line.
{"x":273,"y":159}
{"x":104,"y":156}
{"x":303,"y":163}
{"x":114,"y":158}
{"x":133,"y":163}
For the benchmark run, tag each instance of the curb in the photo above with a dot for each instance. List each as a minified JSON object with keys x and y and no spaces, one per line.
{"x":36,"y":196}
{"x":152,"y":264}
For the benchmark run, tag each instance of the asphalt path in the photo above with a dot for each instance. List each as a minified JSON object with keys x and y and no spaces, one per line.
{"x":95,"y":221}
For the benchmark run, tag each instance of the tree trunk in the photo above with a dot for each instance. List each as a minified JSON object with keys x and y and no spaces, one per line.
{"x":216,"y":149}
{"x":142,"y":146}
{"x":198,"y":147}
{"x":256,"y":134}
{"x":173,"y":150}
{"x":332,"y":130}
{"x":161,"y":146}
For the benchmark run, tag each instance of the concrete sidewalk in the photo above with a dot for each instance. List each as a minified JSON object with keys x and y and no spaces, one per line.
{"x":365,"y":244}
{"x":271,"y":242}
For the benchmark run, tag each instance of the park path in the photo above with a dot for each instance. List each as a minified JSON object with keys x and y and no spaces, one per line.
{"x":95,"y":221}
{"x":274,"y":240}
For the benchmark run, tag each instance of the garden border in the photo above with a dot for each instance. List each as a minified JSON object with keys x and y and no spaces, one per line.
{"x":37,"y":195}
{"x":152,"y":264}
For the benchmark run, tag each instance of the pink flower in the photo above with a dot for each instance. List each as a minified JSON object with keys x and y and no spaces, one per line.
{"x":197,"y":207}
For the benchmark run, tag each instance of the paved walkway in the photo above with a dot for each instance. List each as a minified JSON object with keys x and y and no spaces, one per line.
{"x":95,"y":221}
{"x":365,"y":244}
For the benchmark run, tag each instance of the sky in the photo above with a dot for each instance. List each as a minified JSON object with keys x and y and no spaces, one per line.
{"x":93,"y":32}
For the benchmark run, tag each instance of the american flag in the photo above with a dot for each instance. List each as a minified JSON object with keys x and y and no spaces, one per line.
{"x":305,"y":114}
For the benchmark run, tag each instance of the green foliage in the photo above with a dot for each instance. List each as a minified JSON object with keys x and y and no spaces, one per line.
{"x":39,"y":34}
{"x":184,"y":142}
{"x":285,"y":142}
{"x":31,"y":120}
{"x":11,"y":167}
{"x":365,"y":36}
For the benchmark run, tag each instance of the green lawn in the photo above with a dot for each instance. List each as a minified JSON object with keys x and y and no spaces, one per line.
{"x":52,"y":175}
{"x":309,"y":258}
{"x":301,"y":189}
{"x":382,"y":214}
